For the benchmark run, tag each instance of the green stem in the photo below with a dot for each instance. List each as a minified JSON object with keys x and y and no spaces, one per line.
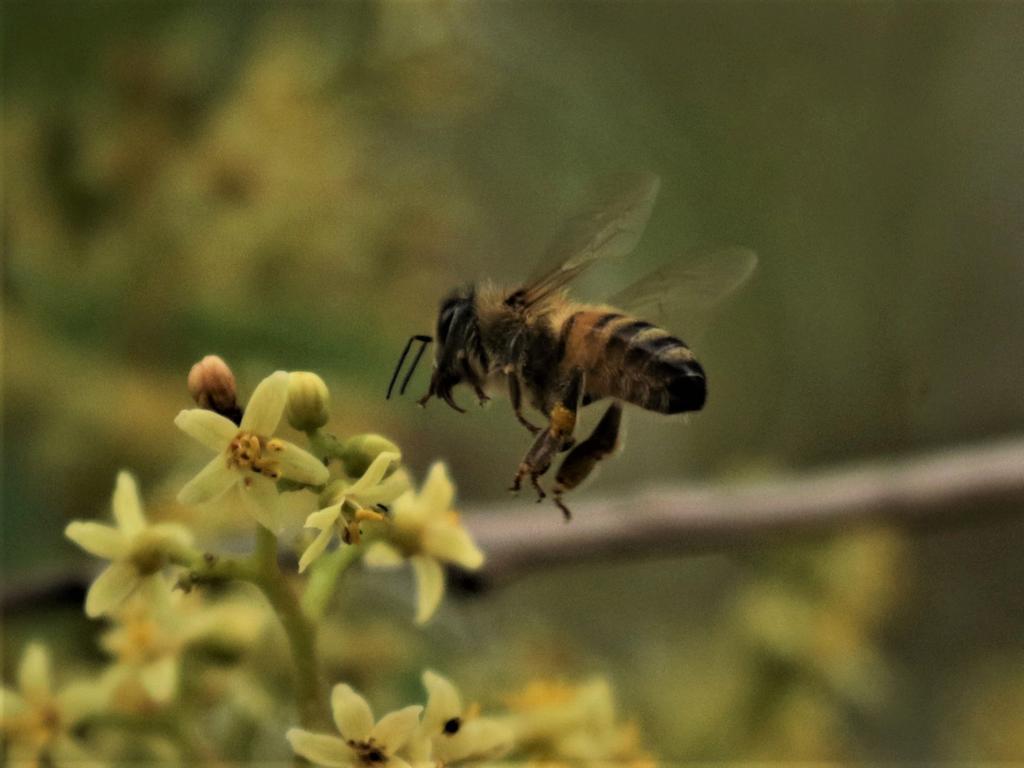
{"x":324,"y":579}
{"x":261,"y":569}
{"x":300,"y":631}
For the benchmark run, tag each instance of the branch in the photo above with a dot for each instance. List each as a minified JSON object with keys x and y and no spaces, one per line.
{"x":943,"y":487}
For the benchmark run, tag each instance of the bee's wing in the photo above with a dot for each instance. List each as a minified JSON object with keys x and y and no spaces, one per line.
{"x":682,"y":294}
{"x":610,"y":225}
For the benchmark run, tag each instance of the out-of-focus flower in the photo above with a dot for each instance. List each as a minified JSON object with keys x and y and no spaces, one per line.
{"x":136,"y":548}
{"x":360,"y":451}
{"x":153,"y":631}
{"x":576,"y":724}
{"x":38,"y":724}
{"x":308,"y":401}
{"x":426,"y":530}
{"x":350,"y":505}
{"x":249,"y":461}
{"x":451,"y":733}
{"x":212,"y":385}
{"x":363,"y":741}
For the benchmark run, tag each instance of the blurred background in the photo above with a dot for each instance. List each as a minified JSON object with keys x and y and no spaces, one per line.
{"x":296,"y":186}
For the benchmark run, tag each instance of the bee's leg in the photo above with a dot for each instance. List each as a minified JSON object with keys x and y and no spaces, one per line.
{"x":562,"y":422}
{"x":515,"y":394}
{"x":584,"y":457}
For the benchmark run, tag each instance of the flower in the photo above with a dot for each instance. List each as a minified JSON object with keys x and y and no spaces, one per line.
{"x":37,"y":723}
{"x":137,"y":549}
{"x":426,"y":531}
{"x":249,"y":460}
{"x":362,"y":742}
{"x":575,"y":723}
{"x":451,"y":733}
{"x":154,"y":629}
{"x":351,"y":504}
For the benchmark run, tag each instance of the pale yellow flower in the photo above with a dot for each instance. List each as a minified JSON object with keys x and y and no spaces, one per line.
{"x":426,"y":530}
{"x":350,"y":504}
{"x":576,"y":724}
{"x":249,"y":460}
{"x":153,"y":630}
{"x":363,"y":742}
{"x":137,"y":549}
{"x":38,"y":724}
{"x":451,"y":733}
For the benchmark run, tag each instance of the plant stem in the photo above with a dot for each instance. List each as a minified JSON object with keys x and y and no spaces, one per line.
{"x":261,"y":569}
{"x":300,"y":631}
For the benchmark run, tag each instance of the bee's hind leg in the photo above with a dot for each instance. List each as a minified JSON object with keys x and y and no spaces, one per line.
{"x":562,"y":422}
{"x":582,"y":459}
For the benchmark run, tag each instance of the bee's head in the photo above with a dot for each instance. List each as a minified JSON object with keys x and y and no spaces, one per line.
{"x":459,"y":356}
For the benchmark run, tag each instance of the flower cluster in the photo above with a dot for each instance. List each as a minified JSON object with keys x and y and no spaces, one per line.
{"x":173,"y":649}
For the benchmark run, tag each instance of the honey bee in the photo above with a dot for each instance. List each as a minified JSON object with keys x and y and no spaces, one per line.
{"x":559,"y":355}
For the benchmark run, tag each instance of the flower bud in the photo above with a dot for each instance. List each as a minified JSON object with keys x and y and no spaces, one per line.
{"x":359,"y":452}
{"x":308,"y":401}
{"x":212,"y":385}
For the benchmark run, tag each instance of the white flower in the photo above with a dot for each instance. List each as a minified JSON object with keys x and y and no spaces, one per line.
{"x":450,"y":733}
{"x":249,"y":460}
{"x":362,"y":741}
{"x":352,"y":504}
{"x":37,"y":723}
{"x":137,"y":549}
{"x":425,"y":530}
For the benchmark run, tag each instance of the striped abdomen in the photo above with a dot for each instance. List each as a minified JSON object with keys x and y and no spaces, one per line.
{"x":632,"y":360}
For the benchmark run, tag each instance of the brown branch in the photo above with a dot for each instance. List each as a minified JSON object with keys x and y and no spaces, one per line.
{"x":518,"y":537}
{"x":943,"y":487}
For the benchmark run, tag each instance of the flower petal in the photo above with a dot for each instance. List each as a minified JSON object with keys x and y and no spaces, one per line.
{"x":324,"y":518}
{"x":263,"y":412}
{"x":97,"y":539}
{"x":396,"y":728}
{"x":374,"y":473}
{"x":34,"y":673}
{"x":299,"y":465}
{"x":443,"y":702}
{"x":126,"y":505}
{"x":160,"y":679}
{"x":212,"y":480}
{"x":209,"y":428}
{"x":80,"y":699}
{"x":352,"y":714}
{"x":396,"y":762}
{"x":452,"y":543}
{"x":438,"y":492}
{"x":477,"y":739}
{"x":110,"y":589}
{"x":261,"y":500}
{"x":381,"y":555}
{"x":172,"y":533}
{"x":429,"y":586}
{"x":314,"y":550}
{"x":319,"y":748}
{"x":11,"y":702}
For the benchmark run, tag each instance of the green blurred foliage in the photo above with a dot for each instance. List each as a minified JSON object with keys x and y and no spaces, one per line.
{"x":295,"y":186}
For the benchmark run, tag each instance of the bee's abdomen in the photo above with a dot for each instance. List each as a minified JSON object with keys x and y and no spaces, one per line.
{"x":638,"y":362}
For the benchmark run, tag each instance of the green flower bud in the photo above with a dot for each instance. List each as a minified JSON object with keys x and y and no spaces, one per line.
{"x":359,"y":452}
{"x":308,"y":401}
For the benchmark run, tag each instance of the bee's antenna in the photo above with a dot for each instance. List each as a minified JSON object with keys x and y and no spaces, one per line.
{"x":415,"y":361}
{"x":401,"y":361}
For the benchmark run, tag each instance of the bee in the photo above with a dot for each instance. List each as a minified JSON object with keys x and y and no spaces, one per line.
{"x":559,"y":355}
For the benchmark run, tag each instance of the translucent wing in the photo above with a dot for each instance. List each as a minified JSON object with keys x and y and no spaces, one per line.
{"x":610,"y":225}
{"x":682,"y":294}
